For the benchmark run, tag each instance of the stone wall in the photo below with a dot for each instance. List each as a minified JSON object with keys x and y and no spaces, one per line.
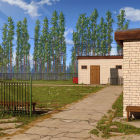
{"x":131,"y":76}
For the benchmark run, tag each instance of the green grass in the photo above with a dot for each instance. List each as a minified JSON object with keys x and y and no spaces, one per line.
{"x":59,"y":82}
{"x":51,"y":97}
{"x":57,"y":97}
{"x":126,"y":128}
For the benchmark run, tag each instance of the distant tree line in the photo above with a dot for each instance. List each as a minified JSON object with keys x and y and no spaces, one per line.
{"x":50,"y":46}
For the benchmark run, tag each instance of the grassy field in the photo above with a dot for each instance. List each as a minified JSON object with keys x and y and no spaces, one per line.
{"x":64,"y":82}
{"x":122,"y":128}
{"x":51,"y":97}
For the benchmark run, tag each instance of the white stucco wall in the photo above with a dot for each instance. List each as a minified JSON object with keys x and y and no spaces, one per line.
{"x":105,"y":65}
{"x":131,"y":75}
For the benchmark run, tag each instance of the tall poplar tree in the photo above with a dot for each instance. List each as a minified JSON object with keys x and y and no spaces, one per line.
{"x":120,"y":23}
{"x":83,"y":31}
{"x":62,"y":46}
{"x":103,"y":42}
{"x":26,"y":45}
{"x":110,"y":30}
{"x":10,"y":37}
{"x":19,"y":47}
{"x":6,"y":46}
{"x":98,"y":40}
{"x":54,"y":33}
{"x":49,"y":52}
{"x":93,"y":19}
{"x":46,"y":43}
{"x":78,"y":28}
{"x":58,"y":50}
{"x":101,"y":30}
{"x":40,"y":53}
{"x":35,"y":56}
{"x":88,"y":36}
{"x":75,"y":40}
{"x":2,"y":57}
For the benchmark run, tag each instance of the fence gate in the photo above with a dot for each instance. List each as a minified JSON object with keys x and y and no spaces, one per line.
{"x":113,"y":76}
{"x":14,"y":96}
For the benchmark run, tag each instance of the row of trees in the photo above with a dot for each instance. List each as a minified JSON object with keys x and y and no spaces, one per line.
{"x":50,"y":46}
{"x":91,"y":39}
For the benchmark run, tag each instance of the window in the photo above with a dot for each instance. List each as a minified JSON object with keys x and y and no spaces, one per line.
{"x":83,"y":67}
{"x":118,"y":66}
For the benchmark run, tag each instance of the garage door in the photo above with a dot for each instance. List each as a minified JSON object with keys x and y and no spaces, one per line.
{"x":95,"y":74}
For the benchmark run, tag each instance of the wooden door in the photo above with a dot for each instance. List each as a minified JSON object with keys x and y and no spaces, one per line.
{"x":94,"y":74}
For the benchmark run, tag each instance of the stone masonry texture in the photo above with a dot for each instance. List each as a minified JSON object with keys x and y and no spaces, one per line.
{"x":131,"y":76}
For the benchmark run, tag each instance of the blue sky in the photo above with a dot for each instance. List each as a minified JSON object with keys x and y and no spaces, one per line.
{"x":38,"y":9}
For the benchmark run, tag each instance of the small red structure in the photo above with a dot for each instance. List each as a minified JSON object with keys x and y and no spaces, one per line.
{"x":75,"y":80}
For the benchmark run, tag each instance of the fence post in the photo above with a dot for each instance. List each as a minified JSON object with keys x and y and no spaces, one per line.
{"x":30,"y":97}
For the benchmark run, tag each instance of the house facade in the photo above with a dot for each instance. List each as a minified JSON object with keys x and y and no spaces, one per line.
{"x":97,"y":69}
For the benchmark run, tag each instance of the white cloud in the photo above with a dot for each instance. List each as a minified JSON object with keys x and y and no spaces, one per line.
{"x":68,"y":41}
{"x":131,"y":14}
{"x":70,"y":30}
{"x":114,"y":12}
{"x":31,"y":8}
{"x":46,"y":2}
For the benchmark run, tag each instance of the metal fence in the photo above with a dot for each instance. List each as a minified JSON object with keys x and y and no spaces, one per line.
{"x":15,"y":95}
{"x":115,"y":81}
{"x":38,"y":76}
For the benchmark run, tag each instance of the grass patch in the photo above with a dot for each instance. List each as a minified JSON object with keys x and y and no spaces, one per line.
{"x":121,"y":128}
{"x":51,"y":97}
{"x":56,"y":82}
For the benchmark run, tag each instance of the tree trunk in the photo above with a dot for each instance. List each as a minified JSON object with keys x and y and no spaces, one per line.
{"x":24,"y":64}
{"x":41,"y":68}
{"x":28,"y":63}
{"x":60,"y":61}
{"x":11,"y":63}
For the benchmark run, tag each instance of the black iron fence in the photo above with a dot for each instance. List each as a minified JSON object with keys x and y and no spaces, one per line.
{"x":37,"y":76}
{"x":14,"y":96}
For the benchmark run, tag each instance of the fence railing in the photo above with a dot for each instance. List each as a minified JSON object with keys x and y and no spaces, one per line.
{"x":38,"y":76}
{"x":115,"y":81}
{"x":114,"y":51}
{"x":15,"y":94}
